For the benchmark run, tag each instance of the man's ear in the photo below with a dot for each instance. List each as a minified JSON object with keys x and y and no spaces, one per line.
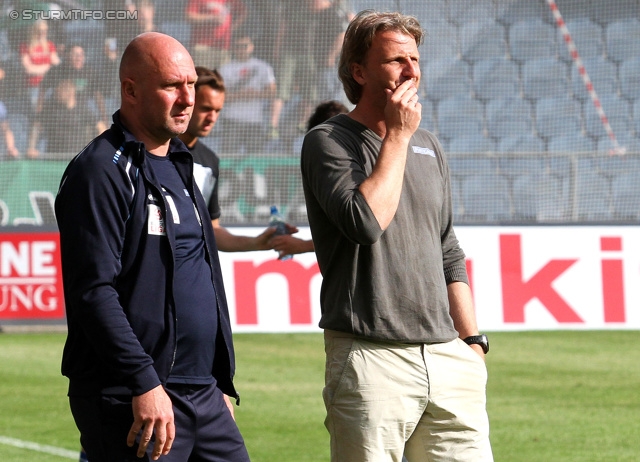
{"x":128,"y":88}
{"x":357,"y":73}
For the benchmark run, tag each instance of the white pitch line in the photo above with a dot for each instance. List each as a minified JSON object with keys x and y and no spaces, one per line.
{"x":40,"y":447}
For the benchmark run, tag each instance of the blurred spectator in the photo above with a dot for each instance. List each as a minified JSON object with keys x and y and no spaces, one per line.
{"x":67,"y":126}
{"x":324,"y":111}
{"x":307,"y":49}
{"x":9,"y":139}
{"x":251,"y":87}
{"x":74,"y":67}
{"x":37,"y":55}
{"x":212,"y":23}
{"x":108,"y":85}
{"x":5,"y":129}
{"x":124,"y":31}
{"x":286,"y":244}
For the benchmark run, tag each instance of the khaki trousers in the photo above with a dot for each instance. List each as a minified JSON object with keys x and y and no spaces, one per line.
{"x":424,"y":401}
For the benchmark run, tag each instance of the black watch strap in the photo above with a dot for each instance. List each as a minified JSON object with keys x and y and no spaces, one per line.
{"x":481,"y":340}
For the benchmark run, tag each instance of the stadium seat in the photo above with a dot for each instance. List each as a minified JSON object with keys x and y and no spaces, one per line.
{"x":544,"y":78}
{"x":625,"y":140}
{"x":482,"y":40}
{"x":460,"y":12}
{"x":462,"y":166}
{"x":587,"y":36}
{"x":532,"y":38}
{"x":557,"y":116}
{"x":428,"y":121}
{"x":524,"y":142}
{"x":509,"y":116}
{"x":525,"y":195}
{"x":511,"y":11}
{"x":441,"y":41}
{"x":486,"y":198}
{"x":574,"y":142}
{"x":602,"y":74}
{"x":471,"y":144}
{"x":630,"y":78}
{"x":616,"y":109}
{"x":593,"y":193}
{"x":446,"y":77}
{"x":495,"y":78}
{"x":636,"y":115}
{"x":607,"y":12}
{"x":555,"y":198}
{"x":623,"y":38}
{"x":427,"y":13}
{"x":459,"y":116}
{"x":456,"y":199}
{"x":625,"y":191}
{"x":513,"y":166}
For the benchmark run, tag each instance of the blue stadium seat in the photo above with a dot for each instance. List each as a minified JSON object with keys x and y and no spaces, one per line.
{"x":630,"y":78}
{"x":465,"y":165}
{"x":557,"y":116}
{"x":512,"y":166}
{"x":509,"y":116}
{"x":574,"y":142}
{"x":495,"y":78}
{"x":482,"y":40}
{"x":428,"y":121}
{"x":459,"y":116}
{"x":617,"y":111}
{"x":525,"y":195}
{"x":609,"y":12}
{"x":511,"y":11}
{"x":625,"y":140}
{"x":441,"y":41}
{"x":446,"y":77}
{"x":555,"y":199}
{"x":525,"y":142}
{"x":593,"y":193}
{"x":456,"y":199}
{"x":486,"y":198}
{"x":471,"y":144}
{"x":612,"y":166}
{"x":636,"y":115}
{"x":623,"y":38}
{"x":602,"y":74}
{"x":459,"y":12}
{"x":544,"y":78}
{"x":531,"y":39}
{"x":425,"y":12}
{"x":625,"y":191}
{"x":587,"y":36}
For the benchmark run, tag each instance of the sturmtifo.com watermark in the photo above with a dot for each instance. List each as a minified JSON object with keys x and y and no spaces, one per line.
{"x":98,"y":15}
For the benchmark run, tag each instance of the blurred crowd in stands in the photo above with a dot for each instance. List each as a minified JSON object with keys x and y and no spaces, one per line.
{"x":59,"y":77}
{"x":496,"y":74}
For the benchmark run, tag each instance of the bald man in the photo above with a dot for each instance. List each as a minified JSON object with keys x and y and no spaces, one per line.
{"x":149,"y":354}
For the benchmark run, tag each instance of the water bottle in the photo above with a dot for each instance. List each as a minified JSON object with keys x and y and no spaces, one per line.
{"x":276,"y":220}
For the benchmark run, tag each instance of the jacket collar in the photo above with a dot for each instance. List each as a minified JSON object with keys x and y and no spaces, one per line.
{"x":138,"y":149}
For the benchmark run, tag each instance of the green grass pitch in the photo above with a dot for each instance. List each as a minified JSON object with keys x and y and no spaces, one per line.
{"x":552,"y":396}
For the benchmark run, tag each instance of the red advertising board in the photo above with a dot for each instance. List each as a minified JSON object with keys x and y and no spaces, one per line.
{"x":30,"y":276}
{"x":522,"y":278}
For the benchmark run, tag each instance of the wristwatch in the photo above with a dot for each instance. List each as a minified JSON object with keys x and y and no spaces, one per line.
{"x":481,"y":340}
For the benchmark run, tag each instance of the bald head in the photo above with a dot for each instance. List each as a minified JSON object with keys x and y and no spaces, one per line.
{"x":147,"y":52}
{"x":157,"y":79}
